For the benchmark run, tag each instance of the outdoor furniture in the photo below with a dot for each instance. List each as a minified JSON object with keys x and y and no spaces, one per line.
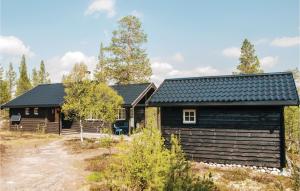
{"x":118,"y":131}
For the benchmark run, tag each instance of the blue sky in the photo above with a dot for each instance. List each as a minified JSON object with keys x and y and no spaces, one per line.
{"x":185,"y":38}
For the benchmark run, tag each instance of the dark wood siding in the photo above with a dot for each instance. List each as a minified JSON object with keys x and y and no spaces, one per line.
{"x":139,"y":115}
{"x":43,"y":112}
{"x":45,"y":117}
{"x":240,"y":135}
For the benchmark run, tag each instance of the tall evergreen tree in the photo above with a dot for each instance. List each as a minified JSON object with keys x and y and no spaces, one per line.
{"x":35,"y":80}
{"x":23,"y":83}
{"x":126,"y":58}
{"x":4,"y":90}
{"x":101,"y":73}
{"x":1,"y":72}
{"x":43,"y":75}
{"x":11,"y":78}
{"x":249,"y":63}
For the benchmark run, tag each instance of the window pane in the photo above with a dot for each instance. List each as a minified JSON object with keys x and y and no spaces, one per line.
{"x":192,"y":119}
{"x":186,"y":118}
{"x":186,"y":113}
{"x":192,"y":114}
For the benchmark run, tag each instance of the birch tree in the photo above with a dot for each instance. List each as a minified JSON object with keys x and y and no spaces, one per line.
{"x":85,"y":98}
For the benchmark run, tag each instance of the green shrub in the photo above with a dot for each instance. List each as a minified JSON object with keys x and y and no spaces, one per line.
{"x":41,"y":128}
{"x":145,"y":164}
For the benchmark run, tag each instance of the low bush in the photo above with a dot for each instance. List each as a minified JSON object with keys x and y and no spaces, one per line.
{"x":145,"y":164}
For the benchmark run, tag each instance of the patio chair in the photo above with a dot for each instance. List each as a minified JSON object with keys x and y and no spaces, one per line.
{"x":118,"y":130}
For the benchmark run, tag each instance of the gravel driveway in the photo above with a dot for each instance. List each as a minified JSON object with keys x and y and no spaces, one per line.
{"x":48,"y":167}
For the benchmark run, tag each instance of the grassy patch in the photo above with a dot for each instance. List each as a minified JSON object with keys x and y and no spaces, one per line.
{"x":76,"y":146}
{"x":98,"y":163}
{"x":17,"y":138}
{"x":95,"y":177}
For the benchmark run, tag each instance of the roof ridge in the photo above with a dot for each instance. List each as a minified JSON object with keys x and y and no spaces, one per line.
{"x":49,"y":84}
{"x":131,"y":84}
{"x":229,"y":76}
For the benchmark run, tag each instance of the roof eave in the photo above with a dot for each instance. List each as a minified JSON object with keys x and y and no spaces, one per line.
{"x":246,"y":103}
{"x":23,"y":106}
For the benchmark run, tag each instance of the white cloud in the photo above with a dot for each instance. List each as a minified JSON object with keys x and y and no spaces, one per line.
{"x":268,"y":61}
{"x":11,"y":46}
{"x":178,"y":57}
{"x":137,"y":14}
{"x":261,"y":41}
{"x":232,"y":52}
{"x":163,"y":70}
{"x":106,"y":6}
{"x":286,"y":41}
{"x":60,"y":65}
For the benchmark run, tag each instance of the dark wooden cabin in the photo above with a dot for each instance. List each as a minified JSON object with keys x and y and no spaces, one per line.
{"x":37,"y":108}
{"x":235,"y":119}
{"x":41,"y":107}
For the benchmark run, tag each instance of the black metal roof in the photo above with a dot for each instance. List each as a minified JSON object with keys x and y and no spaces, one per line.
{"x":52,"y":95}
{"x":254,"y":89}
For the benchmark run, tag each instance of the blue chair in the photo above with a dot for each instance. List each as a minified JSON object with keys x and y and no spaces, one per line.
{"x":118,"y":131}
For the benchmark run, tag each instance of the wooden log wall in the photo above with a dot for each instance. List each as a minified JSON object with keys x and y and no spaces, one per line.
{"x":32,"y":124}
{"x":232,"y":136}
{"x":89,"y":126}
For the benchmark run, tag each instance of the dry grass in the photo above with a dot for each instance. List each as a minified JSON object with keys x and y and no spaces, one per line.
{"x":75,"y":146}
{"x":17,"y":138}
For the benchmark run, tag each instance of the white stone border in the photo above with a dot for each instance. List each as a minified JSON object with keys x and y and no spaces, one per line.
{"x":273,"y":171}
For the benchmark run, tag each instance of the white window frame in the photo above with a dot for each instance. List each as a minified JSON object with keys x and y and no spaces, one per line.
{"x":121,"y":114}
{"x":189,"y":117}
{"x":36,"y":111}
{"x":27,"y":111}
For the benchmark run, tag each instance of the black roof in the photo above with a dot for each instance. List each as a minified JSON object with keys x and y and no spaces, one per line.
{"x":254,"y":89}
{"x":130,"y":92}
{"x":44,"y":95}
{"x":52,"y":95}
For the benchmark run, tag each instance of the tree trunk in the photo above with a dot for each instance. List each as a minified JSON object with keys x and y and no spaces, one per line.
{"x":81,"y":131}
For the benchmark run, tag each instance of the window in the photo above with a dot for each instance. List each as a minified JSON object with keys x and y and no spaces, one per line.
{"x":121,"y":114}
{"x":36,"y":111}
{"x":27,"y":111}
{"x":189,"y":116}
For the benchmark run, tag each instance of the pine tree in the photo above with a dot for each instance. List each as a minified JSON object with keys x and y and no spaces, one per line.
{"x":127,"y":60}
{"x":4,"y":89}
{"x":11,"y":78}
{"x":43,"y":76}
{"x":249,"y":63}
{"x":101,"y":73}
{"x":23,"y":83}
{"x":35,"y":80}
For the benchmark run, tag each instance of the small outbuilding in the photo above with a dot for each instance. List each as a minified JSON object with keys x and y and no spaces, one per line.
{"x":40,"y":108}
{"x":235,"y":119}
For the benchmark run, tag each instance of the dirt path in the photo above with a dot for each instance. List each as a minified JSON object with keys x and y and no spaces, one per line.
{"x":48,"y":167}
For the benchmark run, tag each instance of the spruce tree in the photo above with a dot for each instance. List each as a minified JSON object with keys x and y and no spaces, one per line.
{"x":23,"y":83}
{"x":101,"y":73}
{"x":11,"y":78}
{"x":35,"y":78}
{"x":127,"y":59}
{"x":43,"y":75}
{"x":249,"y":63}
